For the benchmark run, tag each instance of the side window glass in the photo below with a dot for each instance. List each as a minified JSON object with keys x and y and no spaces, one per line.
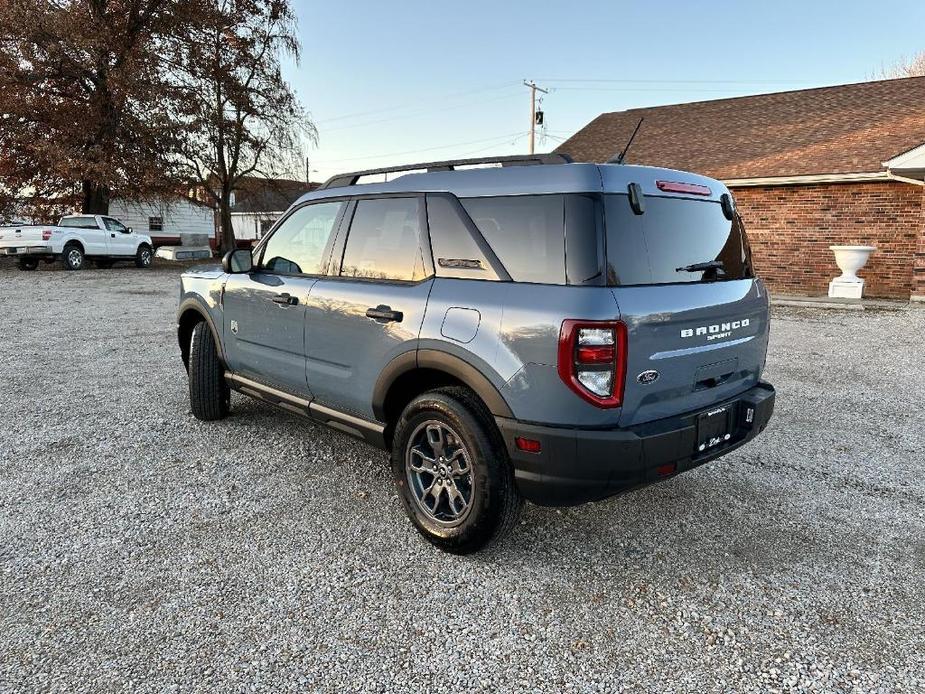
{"x":584,"y":239}
{"x":383,"y":242}
{"x":455,"y":252}
{"x":111,"y":224}
{"x":526,"y":232}
{"x":297,"y":246}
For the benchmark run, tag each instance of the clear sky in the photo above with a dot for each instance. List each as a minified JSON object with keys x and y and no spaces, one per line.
{"x":410,"y":80}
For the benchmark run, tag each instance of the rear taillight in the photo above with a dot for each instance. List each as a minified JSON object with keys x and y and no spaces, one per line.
{"x":592,"y":360}
{"x":46,"y":234}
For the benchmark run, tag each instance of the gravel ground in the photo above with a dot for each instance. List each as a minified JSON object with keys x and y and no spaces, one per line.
{"x":142,"y":550}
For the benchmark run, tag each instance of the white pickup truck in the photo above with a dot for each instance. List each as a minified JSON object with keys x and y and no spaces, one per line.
{"x":76,"y":238}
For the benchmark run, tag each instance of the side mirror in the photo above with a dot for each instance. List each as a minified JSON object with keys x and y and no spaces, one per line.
{"x":238,"y":262}
{"x":129,"y":230}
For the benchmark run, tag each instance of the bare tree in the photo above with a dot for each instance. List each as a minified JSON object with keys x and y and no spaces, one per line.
{"x":240,"y":117}
{"x":905,"y":67}
{"x":83,"y":107}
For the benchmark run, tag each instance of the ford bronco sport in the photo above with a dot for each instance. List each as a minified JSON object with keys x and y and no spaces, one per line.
{"x":538,"y":330}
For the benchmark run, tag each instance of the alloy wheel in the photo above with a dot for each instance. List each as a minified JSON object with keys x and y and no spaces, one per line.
{"x":439,"y":471}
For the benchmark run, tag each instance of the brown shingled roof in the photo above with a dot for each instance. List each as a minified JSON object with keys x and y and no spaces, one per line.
{"x":846,"y":129}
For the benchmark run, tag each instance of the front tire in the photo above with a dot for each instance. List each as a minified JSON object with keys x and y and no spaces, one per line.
{"x":144,"y":256}
{"x":27,"y":264}
{"x":452,"y":471}
{"x":209,"y":395}
{"x":73,"y":257}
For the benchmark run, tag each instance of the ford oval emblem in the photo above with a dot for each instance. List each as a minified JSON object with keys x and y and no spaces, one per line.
{"x":647,"y":377}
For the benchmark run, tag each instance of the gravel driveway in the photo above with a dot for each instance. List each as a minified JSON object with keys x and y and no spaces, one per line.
{"x":142,"y":550}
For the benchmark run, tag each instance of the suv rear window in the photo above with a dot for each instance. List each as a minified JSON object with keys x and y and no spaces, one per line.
{"x":526,"y":232}
{"x":673,"y":233}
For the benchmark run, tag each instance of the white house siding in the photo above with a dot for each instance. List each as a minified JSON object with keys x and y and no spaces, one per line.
{"x":247,"y":225}
{"x":179,"y":217}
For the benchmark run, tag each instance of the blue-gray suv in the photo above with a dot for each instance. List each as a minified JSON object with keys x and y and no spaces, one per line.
{"x":509,"y":329}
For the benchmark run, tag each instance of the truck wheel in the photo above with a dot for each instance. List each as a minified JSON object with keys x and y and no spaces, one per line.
{"x":144,"y":256}
{"x":209,"y":395}
{"x":27,"y":264}
{"x":73,"y":257}
{"x":452,"y":471}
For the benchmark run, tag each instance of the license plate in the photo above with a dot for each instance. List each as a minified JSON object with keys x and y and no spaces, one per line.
{"x":714,"y":428}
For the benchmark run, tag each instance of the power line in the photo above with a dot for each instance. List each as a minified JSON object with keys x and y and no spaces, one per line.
{"x":493,"y":146}
{"x":496,"y":139}
{"x":389,"y":109}
{"x":418,"y":114}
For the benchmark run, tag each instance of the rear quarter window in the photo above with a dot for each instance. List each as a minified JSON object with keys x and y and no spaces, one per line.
{"x":456,"y":253}
{"x":526,"y":232}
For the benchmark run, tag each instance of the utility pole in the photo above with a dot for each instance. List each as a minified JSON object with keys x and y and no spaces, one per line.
{"x":533,"y":90}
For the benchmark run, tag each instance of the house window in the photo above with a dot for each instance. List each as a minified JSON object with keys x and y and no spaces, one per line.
{"x":155,"y":224}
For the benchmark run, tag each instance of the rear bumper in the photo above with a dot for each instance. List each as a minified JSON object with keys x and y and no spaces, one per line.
{"x":575,"y":466}
{"x":16,"y":251}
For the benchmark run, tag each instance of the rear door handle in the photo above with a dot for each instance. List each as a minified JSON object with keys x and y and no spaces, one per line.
{"x":285,"y":300}
{"x":384,"y":314}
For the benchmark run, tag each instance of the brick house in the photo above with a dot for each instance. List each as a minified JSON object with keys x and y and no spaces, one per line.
{"x":809,"y":169}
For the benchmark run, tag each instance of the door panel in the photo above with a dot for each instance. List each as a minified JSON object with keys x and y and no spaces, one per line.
{"x":264,"y":310}
{"x":347,"y":350}
{"x":118,"y":239}
{"x":358,"y":322}
{"x":264,"y":328}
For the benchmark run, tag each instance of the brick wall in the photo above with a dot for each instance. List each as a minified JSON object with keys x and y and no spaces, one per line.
{"x":792,"y":227}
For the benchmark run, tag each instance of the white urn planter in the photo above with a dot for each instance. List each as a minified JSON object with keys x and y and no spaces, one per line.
{"x":849,"y":259}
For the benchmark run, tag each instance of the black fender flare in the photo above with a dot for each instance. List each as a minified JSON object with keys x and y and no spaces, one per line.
{"x":194,"y":305}
{"x":438,"y":361}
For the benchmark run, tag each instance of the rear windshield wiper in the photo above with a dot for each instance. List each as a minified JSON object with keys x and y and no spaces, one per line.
{"x":702,"y":267}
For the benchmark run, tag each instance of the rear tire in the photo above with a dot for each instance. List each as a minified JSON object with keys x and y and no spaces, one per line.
{"x":73,"y":257}
{"x":144,"y":256}
{"x":27,"y":264}
{"x":452,"y":471}
{"x":209,"y":395}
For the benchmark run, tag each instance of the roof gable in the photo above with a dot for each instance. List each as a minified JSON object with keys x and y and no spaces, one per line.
{"x":851,"y":128}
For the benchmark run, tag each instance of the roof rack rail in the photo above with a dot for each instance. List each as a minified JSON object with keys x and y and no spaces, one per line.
{"x":349,"y":179}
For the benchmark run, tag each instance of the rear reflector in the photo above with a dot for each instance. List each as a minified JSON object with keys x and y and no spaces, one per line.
{"x":678,"y":187}
{"x":666,"y":469}
{"x":528,"y":445}
{"x":596,"y":355}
